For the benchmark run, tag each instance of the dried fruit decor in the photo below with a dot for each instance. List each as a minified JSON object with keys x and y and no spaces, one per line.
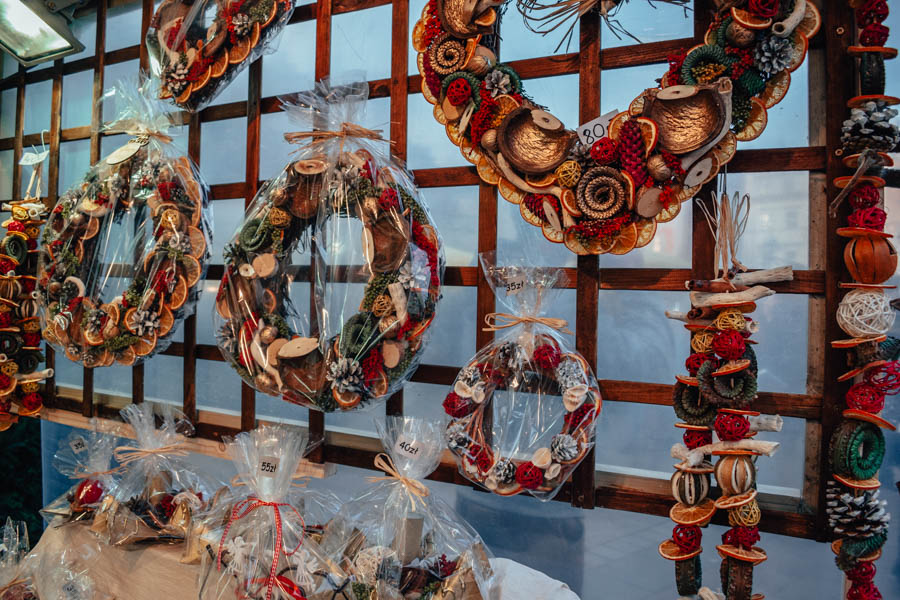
{"x":857,"y":517}
{"x":607,"y":192}
{"x":20,"y":328}
{"x":716,"y":396}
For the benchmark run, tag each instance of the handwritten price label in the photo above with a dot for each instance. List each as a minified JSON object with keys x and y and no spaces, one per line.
{"x":78,"y":445}
{"x":406,"y":447}
{"x":592,"y":131}
{"x":515,"y":284}
{"x":268,"y":466}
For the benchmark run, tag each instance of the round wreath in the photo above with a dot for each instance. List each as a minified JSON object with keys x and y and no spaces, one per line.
{"x":166,"y":201}
{"x":208,"y":56}
{"x":609,"y":194}
{"x":549,"y":372}
{"x":377,"y":348}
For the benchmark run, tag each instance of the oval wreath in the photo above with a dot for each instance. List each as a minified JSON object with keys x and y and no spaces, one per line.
{"x":609,"y":196}
{"x":163,"y":259}
{"x":551,"y":373}
{"x":377,"y":348}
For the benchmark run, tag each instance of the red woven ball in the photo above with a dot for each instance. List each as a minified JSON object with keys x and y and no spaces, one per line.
{"x":28,"y":284}
{"x":731,"y":428}
{"x":5,"y":319}
{"x":16,"y":226}
{"x":481,"y":457}
{"x":742,"y":537}
{"x":32,"y":401}
{"x":696,"y":360}
{"x":872,"y":11}
{"x":529,"y":476}
{"x":865,"y":195}
{"x":729,"y":344}
{"x":547,"y":356}
{"x":885,"y":378}
{"x":5,"y":405}
{"x":765,"y":9}
{"x":868,"y":218}
{"x":687,"y":537}
{"x":458,"y":407}
{"x":874,"y":34}
{"x":865,"y":396}
{"x":31,"y":339}
{"x":388,"y":199}
{"x":459,"y":91}
{"x":864,"y":591}
{"x":604,"y":151}
{"x":694,"y":438}
{"x":490,"y":374}
{"x":6,"y":266}
{"x":862,"y":572}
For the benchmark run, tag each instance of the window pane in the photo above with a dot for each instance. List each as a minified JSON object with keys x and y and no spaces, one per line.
{"x":223,"y":151}
{"x":77,"y":99}
{"x":74,"y":160}
{"x":648,"y":22}
{"x":361,"y":40}
{"x":85,"y":30}
{"x":37,"y":106}
{"x":6,"y":174}
{"x":283,"y":73}
{"x":455,"y":214}
{"x":123,"y":26}
{"x":8,"y":113}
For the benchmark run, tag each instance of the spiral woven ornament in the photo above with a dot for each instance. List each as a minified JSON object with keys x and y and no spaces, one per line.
{"x":865,"y":313}
{"x":611,"y":187}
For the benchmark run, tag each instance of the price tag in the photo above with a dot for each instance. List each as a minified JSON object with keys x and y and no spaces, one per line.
{"x":78,"y":445}
{"x":515,"y":284}
{"x":592,"y":131}
{"x":406,"y":447}
{"x":268,"y":466}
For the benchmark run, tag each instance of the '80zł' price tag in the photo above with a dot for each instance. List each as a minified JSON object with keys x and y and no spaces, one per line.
{"x":592,"y":131}
{"x":268,"y":466}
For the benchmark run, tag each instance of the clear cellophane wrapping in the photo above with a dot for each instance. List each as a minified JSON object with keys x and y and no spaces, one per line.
{"x":85,"y":457}
{"x":125,"y":249}
{"x":158,"y":494}
{"x":523,"y":409}
{"x":256,"y":542}
{"x":345,"y":216}
{"x":198,"y":48}
{"x":16,"y":566}
{"x":397,"y":540}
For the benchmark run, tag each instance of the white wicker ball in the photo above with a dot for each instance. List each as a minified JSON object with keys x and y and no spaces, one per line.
{"x":865,"y":313}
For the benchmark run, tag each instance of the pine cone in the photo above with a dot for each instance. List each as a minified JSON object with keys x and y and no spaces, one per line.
{"x":855,"y":517}
{"x":631,"y":152}
{"x":869,"y":126}
{"x":773,"y":54}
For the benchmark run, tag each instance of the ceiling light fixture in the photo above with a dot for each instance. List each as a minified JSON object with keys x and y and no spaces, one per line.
{"x":32,"y":34}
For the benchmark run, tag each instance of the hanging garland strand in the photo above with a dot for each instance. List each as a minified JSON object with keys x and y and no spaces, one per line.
{"x":856,"y":516}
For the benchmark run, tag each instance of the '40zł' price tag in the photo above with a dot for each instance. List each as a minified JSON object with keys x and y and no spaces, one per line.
{"x":592,"y":131}
{"x":268,"y":466}
{"x":406,"y":447}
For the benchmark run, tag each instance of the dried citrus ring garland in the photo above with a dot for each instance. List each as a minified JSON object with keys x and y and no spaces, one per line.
{"x":546,"y":372}
{"x":608,"y":195}
{"x":378,"y":347}
{"x":166,"y":201}
{"x":195,"y":55}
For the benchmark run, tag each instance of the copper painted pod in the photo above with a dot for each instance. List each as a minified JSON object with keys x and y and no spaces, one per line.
{"x":688,"y":116}
{"x":870,"y":260}
{"x":534,"y":141}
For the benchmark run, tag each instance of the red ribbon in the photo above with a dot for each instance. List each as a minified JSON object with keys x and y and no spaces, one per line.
{"x":244,"y":508}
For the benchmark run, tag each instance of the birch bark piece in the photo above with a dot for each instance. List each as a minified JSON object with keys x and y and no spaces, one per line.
{"x":398,"y":296}
{"x":542,"y":458}
{"x":297,"y":347}
{"x":390,"y":353}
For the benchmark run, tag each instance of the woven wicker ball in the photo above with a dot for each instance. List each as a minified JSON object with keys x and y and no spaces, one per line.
{"x":702,"y":341}
{"x":865,"y":313}
{"x":568,"y":173}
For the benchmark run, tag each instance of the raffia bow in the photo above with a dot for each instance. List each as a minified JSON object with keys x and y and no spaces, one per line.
{"x":139,"y":130}
{"x":83,"y":474}
{"x":322,"y":136}
{"x":415,"y":489}
{"x":500,"y":321}
{"x":129,"y":454}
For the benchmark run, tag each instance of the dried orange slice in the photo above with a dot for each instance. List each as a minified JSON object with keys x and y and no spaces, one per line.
{"x":615,"y":125}
{"x":126,"y":357}
{"x":753,"y":555}
{"x":573,"y":244}
{"x":670,"y":551}
{"x":202,"y":80}
{"x":272,"y":14}
{"x":667,"y":214}
{"x":567,"y":199}
{"x":693,"y":515}
{"x":776,"y":89}
{"x":836,"y":548}
{"x":93,"y":338}
{"x":553,"y":234}
{"x":748,"y":20}
{"x":198,"y":241}
{"x":418,"y":36}
{"x":164,"y":93}
{"x":218,"y":68}
{"x":192,"y":270}
{"x":254,"y":35}
{"x":724,"y":151}
{"x":727,"y":502}
{"x":530,"y":216}
{"x":626,"y":240}
{"x":179,"y":293}
{"x":91,"y":229}
{"x":646,"y":232}
{"x":510,"y":192}
{"x":540,"y":181}
{"x":636,"y":108}
{"x":145,"y":345}
{"x":487,"y":172}
{"x":756,"y":122}
{"x":346,"y":399}
{"x":505,"y":105}
{"x":240,"y":51}
{"x":798,"y":51}
{"x":185,"y":95}
{"x":811,"y":22}
{"x":129,"y":320}
{"x":166,"y":321}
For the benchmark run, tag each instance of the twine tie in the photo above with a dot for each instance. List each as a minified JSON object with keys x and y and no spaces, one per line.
{"x":415,"y":489}
{"x":500,"y":321}
{"x":129,"y":454}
